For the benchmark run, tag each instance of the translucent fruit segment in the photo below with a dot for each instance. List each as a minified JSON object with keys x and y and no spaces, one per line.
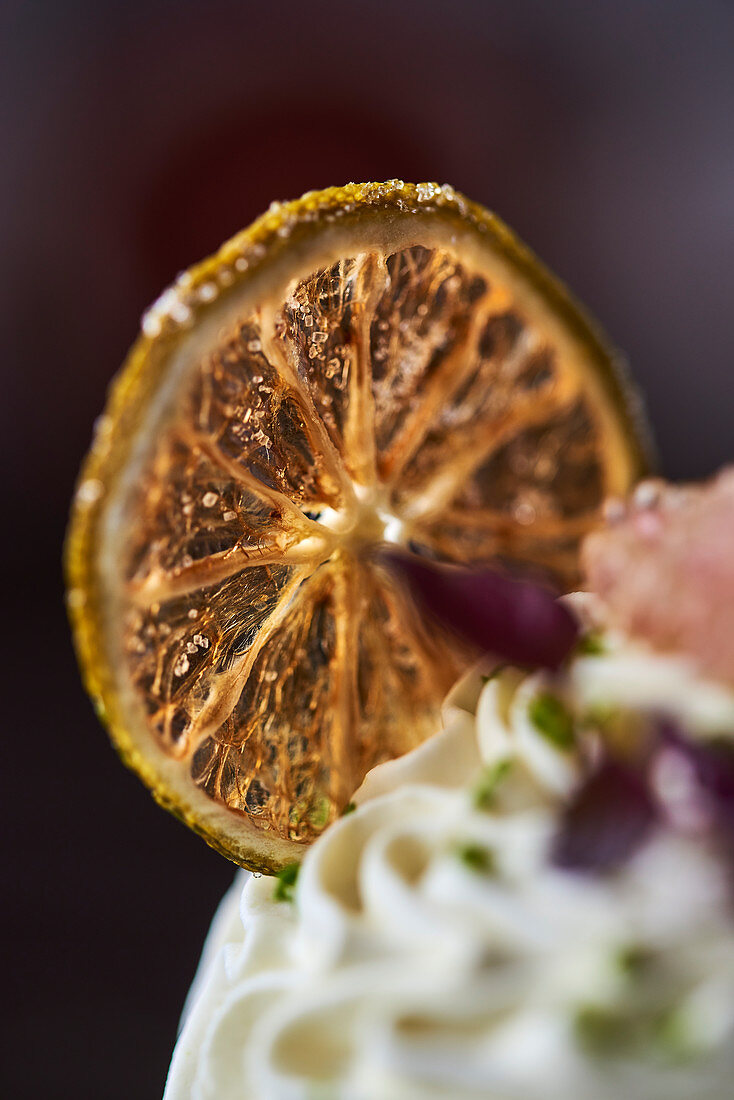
{"x":197,"y":522}
{"x":546,"y":471}
{"x":253,"y":417}
{"x":486,"y":537}
{"x":273,"y":756}
{"x":317,"y":326}
{"x":505,"y":376}
{"x":422,"y":315}
{"x":530,"y":501}
{"x":184,"y":655}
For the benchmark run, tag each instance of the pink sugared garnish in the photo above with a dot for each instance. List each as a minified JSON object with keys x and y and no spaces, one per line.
{"x":663,"y":566}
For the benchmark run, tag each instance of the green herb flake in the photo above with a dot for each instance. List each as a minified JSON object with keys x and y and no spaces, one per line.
{"x":477,"y":858}
{"x":485,"y":792}
{"x":591,"y":645}
{"x":613,"y":1032}
{"x":488,"y":677}
{"x":349,"y":808}
{"x":285,"y":886}
{"x":635,"y":960}
{"x":553,"y":720}
{"x":319,"y":811}
{"x":603,"y":1032}
{"x":674,"y":1037}
{"x":601,"y":715}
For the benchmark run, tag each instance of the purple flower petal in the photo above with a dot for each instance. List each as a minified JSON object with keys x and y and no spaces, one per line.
{"x":708,"y":797}
{"x":609,"y":818}
{"x":712,"y":767}
{"x":517,"y":621}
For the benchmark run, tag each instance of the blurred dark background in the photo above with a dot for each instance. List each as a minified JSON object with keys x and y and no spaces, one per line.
{"x":135,"y":137}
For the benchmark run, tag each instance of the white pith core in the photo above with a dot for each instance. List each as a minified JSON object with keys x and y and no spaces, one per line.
{"x":368,"y":520}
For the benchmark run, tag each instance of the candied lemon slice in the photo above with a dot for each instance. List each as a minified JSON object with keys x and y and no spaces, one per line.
{"x":374,"y":363}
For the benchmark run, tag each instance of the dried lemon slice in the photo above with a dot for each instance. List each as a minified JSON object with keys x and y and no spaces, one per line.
{"x":370,"y":363}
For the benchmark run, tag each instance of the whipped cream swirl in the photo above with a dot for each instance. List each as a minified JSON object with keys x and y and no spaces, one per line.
{"x":433,"y":950}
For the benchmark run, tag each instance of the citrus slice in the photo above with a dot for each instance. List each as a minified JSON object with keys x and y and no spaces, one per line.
{"x":369,"y":364}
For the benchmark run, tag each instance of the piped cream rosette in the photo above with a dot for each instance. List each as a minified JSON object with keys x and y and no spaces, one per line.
{"x":433,"y":950}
